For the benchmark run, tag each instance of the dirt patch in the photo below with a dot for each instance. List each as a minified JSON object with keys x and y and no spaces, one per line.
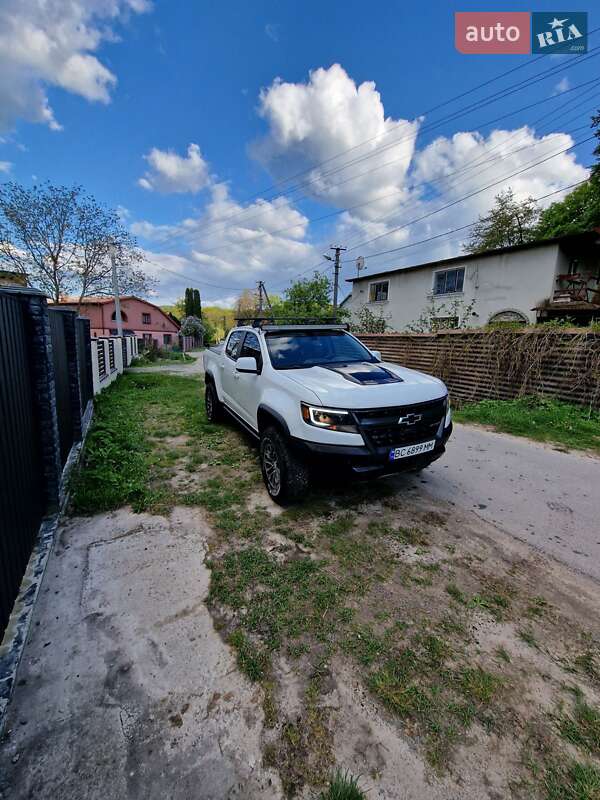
{"x":380,"y":629}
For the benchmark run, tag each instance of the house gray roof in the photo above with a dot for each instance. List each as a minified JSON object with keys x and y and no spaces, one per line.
{"x":583,"y":238}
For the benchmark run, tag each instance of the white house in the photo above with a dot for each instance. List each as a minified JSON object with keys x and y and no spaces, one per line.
{"x":553,"y":278}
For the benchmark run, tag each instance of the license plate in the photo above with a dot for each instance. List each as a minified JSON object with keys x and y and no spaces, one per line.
{"x":411,"y":450}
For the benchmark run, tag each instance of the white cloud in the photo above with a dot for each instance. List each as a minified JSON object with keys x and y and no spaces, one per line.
{"x":53,"y":44}
{"x":230,"y":246}
{"x":563,"y":85}
{"x":310,"y":123}
{"x":450,"y":168}
{"x":5,"y":166}
{"x":233,"y":245}
{"x":172,"y":173}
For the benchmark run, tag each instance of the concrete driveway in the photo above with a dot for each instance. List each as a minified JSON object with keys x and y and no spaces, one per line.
{"x":195,"y":367}
{"x":125,"y":689}
{"x":536,"y":492}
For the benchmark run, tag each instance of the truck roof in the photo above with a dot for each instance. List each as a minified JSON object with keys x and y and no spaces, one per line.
{"x":291,"y":323}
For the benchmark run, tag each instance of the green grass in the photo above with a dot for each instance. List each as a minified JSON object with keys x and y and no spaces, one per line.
{"x":582,"y":728}
{"x":343,"y":786}
{"x":573,"y":781}
{"x":538,"y":418}
{"x":159,"y":358}
{"x":128,"y":459}
{"x":280,"y":600}
{"x":116,"y":460}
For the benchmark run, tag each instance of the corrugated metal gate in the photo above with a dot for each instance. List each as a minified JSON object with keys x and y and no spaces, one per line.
{"x":21,"y":488}
{"x":64,"y":410}
{"x":84,"y":362}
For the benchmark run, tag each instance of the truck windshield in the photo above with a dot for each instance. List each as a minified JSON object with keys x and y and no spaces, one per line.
{"x":297,"y":349}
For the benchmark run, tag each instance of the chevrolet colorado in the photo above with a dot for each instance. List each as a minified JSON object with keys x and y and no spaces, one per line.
{"x":316,"y":398}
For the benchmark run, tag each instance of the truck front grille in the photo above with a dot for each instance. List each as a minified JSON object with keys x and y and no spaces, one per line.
{"x":382,"y":426}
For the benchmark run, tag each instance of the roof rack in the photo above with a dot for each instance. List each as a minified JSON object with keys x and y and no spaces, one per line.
{"x":262,"y":322}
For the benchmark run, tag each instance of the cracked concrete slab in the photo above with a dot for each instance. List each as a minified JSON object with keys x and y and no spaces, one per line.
{"x":125,"y":689}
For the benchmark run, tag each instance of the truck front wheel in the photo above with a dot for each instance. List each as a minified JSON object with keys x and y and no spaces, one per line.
{"x":285,"y":475}
{"x":212,"y":404}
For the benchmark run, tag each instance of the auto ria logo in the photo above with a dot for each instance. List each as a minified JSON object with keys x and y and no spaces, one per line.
{"x":520,"y":32}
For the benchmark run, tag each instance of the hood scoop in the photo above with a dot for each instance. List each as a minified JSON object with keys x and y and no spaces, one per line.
{"x":365,"y":374}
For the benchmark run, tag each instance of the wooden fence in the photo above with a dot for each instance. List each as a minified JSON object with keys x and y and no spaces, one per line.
{"x":475,"y":365}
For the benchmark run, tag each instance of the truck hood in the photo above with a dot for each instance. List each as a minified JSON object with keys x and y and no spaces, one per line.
{"x":367,"y":385}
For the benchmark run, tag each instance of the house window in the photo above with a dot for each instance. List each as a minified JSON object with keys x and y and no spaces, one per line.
{"x":378,"y":292}
{"x":123,"y":316}
{"x":167,"y":338}
{"x":146,"y":319}
{"x":448,"y":281}
{"x":574,"y":266}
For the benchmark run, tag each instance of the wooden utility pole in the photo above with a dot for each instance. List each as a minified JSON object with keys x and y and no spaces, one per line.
{"x":263,"y":298}
{"x":336,"y":275}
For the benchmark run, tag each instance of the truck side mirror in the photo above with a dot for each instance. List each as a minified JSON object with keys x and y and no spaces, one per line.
{"x":377,"y":355}
{"x":246,"y":364}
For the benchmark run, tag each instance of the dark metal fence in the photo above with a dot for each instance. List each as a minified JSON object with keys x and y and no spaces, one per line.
{"x":111,"y":354}
{"x":61,"y":381}
{"x":84,"y":361}
{"x":21,"y":488}
{"x":45,"y":387}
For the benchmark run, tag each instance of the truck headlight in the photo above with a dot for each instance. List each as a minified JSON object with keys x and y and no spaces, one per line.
{"x":332,"y":419}
{"x":448,"y":419}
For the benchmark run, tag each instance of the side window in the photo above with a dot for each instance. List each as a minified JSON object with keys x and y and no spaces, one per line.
{"x":251,"y":347}
{"x":233,"y":344}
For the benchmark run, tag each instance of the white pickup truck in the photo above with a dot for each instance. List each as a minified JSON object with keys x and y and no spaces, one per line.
{"x":317,"y":398}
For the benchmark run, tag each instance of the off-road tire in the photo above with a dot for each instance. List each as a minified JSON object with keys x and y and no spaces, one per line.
{"x":212,"y":404}
{"x":276,"y":455}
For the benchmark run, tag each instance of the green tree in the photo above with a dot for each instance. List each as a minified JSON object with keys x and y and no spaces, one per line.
{"x":577,"y":213}
{"x":61,"y":238}
{"x":308,"y":297}
{"x":197,"y":304}
{"x":188,"y":305}
{"x":508,"y":223}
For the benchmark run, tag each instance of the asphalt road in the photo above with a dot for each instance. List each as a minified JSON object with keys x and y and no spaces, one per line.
{"x":550,"y":499}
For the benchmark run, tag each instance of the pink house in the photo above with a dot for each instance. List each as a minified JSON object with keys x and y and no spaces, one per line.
{"x":140,"y":318}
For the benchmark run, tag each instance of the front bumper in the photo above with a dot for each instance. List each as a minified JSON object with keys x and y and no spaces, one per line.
{"x":364,"y":461}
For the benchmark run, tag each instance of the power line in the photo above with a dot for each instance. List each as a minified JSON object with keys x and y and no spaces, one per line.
{"x":541,"y":76}
{"x":471,"y":194}
{"x":329,"y":215}
{"x":456,"y":230}
{"x":508,"y":91}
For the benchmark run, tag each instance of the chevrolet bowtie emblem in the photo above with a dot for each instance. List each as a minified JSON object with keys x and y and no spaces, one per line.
{"x":410,"y":419}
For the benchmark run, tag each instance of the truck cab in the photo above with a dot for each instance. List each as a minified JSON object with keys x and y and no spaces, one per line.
{"x":316,"y":397}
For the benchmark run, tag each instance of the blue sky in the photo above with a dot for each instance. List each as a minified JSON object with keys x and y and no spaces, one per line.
{"x":185,"y":115}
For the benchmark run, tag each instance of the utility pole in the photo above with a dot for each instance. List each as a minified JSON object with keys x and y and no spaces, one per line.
{"x":263,"y":297}
{"x":336,"y":275}
{"x":115,"y":283}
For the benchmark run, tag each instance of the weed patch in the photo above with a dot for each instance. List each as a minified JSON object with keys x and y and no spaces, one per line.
{"x":538,"y":418}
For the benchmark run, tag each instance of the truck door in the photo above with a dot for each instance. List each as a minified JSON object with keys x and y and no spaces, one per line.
{"x":228,"y":373}
{"x":248,"y":385}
